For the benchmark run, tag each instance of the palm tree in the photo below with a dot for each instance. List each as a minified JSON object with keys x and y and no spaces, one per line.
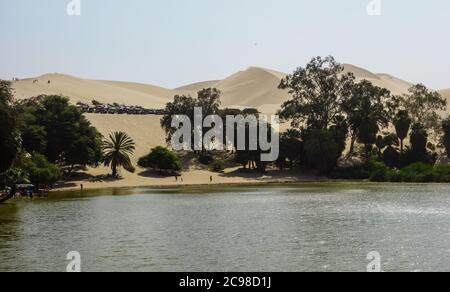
{"x":402,"y":123}
{"x":117,"y":150}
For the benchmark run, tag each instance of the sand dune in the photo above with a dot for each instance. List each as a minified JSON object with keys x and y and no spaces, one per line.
{"x":86,"y":90}
{"x":445,"y":93}
{"x":142,"y":88}
{"x":195,"y":87}
{"x":258,"y":87}
{"x":144,"y":130}
{"x":253,"y":87}
{"x":395,"y":85}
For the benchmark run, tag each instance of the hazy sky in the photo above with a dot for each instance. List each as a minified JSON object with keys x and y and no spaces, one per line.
{"x":175,"y":42}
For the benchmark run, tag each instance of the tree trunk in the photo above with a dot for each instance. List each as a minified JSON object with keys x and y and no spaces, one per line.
{"x":114,"y":170}
{"x":70,"y":170}
{"x":352,"y":147}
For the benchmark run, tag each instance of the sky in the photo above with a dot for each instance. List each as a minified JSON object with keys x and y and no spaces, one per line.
{"x":176,"y":42}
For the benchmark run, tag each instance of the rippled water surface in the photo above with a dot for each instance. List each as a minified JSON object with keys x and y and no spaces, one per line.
{"x":311,"y":227}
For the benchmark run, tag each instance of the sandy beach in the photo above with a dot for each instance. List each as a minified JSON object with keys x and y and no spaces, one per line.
{"x":194,"y":177}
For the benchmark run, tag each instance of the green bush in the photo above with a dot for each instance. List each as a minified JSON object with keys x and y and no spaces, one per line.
{"x":377,"y":171}
{"x":162,"y":159}
{"x":359,"y":171}
{"x":395,"y":176}
{"x":415,"y":173}
{"x":218,"y":165}
{"x":206,"y":159}
{"x":380,"y":175}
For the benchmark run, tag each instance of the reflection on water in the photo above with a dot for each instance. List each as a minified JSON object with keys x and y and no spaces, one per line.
{"x":314,"y":227}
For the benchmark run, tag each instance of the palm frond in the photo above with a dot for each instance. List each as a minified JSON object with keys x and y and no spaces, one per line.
{"x":117,"y":150}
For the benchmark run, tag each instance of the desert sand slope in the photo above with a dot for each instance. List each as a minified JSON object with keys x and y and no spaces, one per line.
{"x":445,"y":93}
{"x":253,"y":87}
{"x":140,"y":87}
{"x":395,"y":85}
{"x":258,"y":87}
{"x":144,"y":130}
{"x":86,"y":90}
{"x":195,"y":87}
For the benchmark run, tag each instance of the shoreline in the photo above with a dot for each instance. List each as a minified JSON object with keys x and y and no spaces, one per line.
{"x":241,"y":184}
{"x":173,"y":186}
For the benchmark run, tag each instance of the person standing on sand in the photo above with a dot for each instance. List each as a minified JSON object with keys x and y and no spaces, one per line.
{"x":176,"y":178}
{"x":211,"y":179}
{"x":81,"y":187}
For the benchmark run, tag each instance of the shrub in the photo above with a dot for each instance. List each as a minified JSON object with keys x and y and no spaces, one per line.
{"x":379,"y":172}
{"x":359,"y":171}
{"x":421,"y":173}
{"x":206,"y":159}
{"x":162,"y":159}
{"x":218,"y":165}
{"x":395,"y":176}
{"x":380,"y":175}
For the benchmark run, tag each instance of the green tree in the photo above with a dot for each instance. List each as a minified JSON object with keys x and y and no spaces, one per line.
{"x":162,"y":159}
{"x":419,"y":142}
{"x":207,"y":99}
{"x":53,"y":127}
{"x":368,"y":110}
{"x":86,"y":149}
{"x":321,"y":151}
{"x":423,"y":106}
{"x":9,"y":135}
{"x":40,"y":171}
{"x":339,"y":132}
{"x":390,"y":156}
{"x":252,"y":156}
{"x":402,"y":123}
{"x":243,"y":158}
{"x":181,"y":105}
{"x":116,"y":152}
{"x":380,"y":143}
{"x":291,"y":148}
{"x":318,"y":92}
{"x":13,"y":176}
{"x":446,"y":137}
{"x":419,"y":139}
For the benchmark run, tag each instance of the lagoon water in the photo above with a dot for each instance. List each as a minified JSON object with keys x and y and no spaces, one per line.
{"x":310,"y":227}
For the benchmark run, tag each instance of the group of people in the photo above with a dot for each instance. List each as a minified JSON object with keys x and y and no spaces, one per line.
{"x":28,"y":191}
{"x":35,"y":81}
{"x":180,"y":178}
